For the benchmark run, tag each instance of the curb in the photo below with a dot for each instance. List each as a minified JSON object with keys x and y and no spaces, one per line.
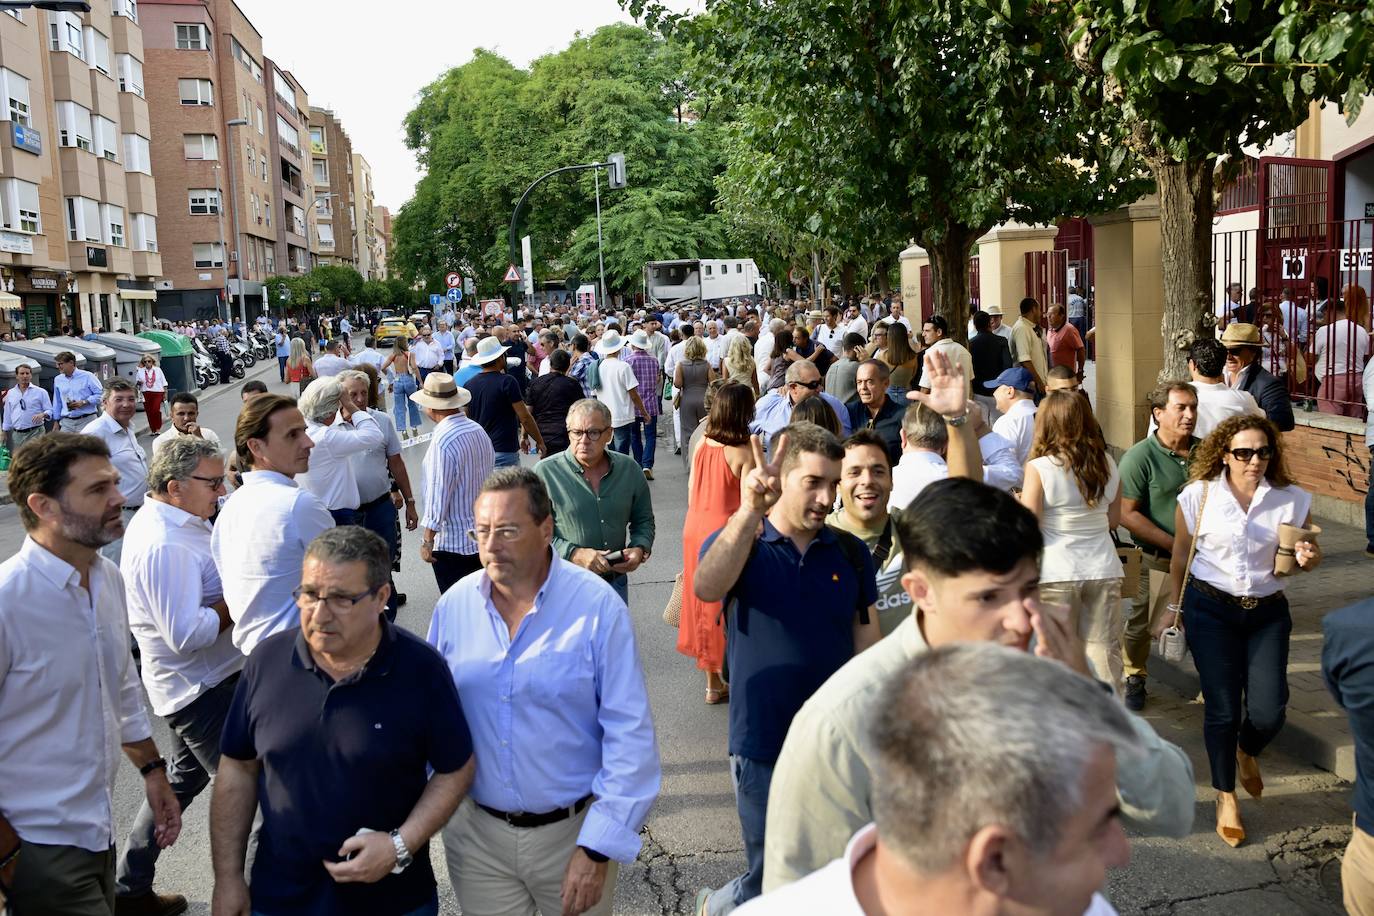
{"x":1304,"y":735}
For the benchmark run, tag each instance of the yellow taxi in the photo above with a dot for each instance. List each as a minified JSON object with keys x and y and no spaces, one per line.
{"x":390,"y":328}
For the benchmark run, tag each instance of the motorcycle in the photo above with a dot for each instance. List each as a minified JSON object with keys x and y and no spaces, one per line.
{"x":203,"y":365}
{"x":203,"y":348}
{"x":261,"y":342}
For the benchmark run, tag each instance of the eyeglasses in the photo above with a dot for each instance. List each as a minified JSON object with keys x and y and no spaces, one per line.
{"x":809,"y":386}
{"x":504,"y":533}
{"x":339,"y":604}
{"x":1244,"y":455}
{"x":214,"y":482}
{"x":587,"y":433}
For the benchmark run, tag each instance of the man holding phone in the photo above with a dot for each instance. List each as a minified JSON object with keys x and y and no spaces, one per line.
{"x":603,"y":514}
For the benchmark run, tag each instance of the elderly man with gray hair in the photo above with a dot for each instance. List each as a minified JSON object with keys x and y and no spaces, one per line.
{"x":340,"y":430}
{"x":995,"y":791}
{"x":178,"y":615}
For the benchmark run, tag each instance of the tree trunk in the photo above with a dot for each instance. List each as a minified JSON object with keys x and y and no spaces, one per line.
{"x":1185,"y":225}
{"x":949,"y":280}
{"x":847,"y":279}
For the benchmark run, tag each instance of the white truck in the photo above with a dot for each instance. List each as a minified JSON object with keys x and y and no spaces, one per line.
{"x":686,"y":283}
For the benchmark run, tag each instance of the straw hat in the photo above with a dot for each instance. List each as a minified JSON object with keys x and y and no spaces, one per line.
{"x":488,"y":349}
{"x":993,"y":309}
{"x":441,"y":392}
{"x":1241,"y":335}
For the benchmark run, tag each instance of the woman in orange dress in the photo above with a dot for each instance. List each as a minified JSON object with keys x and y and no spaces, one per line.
{"x":719,"y":464}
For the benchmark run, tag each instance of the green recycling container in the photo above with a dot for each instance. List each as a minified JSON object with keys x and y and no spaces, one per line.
{"x":176,"y":361}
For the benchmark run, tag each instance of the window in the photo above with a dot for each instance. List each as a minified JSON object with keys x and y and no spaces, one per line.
{"x":201,"y":146}
{"x":283,"y":89}
{"x":130,"y":71}
{"x":326,"y":232}
{"x":267,"y":209}
{"x":196,"y":91}
{"x":256,"y":207}
{"x":191,"y":36}
{"x":114,"y":224}
{"x":288,"y":136}
{"x":137,"y":156}
{"x":317,"y":140}
{"x":19,"y":199}
{"x":322,"y":208}
{"x":296,"y":219}
{"x":83,"y":220}
{"x":64,"y":34}
{"x":97,"y":50}
{"x":261,"y":129}
{"x":143,"y":231}
{"x":708,"y":270}
{"x":106,"y":138}
{"x":16,"y":89}
{"x":208,"y":254}
{"x":204,"y":201}
{"x":270,"y":261}
{"x":126,"y":8}
{"x":321,"y":171}
{"x":74,"y":125}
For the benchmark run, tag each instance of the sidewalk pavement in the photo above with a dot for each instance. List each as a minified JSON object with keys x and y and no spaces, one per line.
{"x":1316,"y":729}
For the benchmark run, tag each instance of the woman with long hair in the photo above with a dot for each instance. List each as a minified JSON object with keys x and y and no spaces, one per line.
{"x":299,"y":366}
{"x":713,"y":495}
{"x":901,"y":357}
{"x":818,"y":411}
{"x":1235,"y":614}
{"x":776,"y":366}
{"x":1073,"y":487}
{"x":738,"y":365}
{"x":405,"y":383}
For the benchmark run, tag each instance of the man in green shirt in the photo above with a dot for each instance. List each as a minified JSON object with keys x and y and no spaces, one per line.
{"x":1152,"y":472}
{"x":601,"y":501}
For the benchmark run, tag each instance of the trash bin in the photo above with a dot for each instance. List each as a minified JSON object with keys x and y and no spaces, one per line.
{"x":129,"y":350}
{"x":177,"y":360}
{"x":43,"y":353}
{"x":100,"y":359}
{"x":9,"y":363}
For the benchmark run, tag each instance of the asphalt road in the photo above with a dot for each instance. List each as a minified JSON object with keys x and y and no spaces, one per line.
{"x":692,"y":838}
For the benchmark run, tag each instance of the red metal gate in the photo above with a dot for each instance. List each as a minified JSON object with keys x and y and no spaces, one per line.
{"x":1047,"y":277}
{"x":975,"y":289}
{"x":1297,"y":231}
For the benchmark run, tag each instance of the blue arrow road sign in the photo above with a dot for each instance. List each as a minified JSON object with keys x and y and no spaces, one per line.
{"x":435,"y":299}
{"x":455,"y":294}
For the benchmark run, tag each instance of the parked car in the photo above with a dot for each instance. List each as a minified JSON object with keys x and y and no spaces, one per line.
{"x":390,"y":328}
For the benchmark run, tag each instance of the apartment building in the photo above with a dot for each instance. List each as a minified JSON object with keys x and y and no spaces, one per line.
{"x":331,"y":155}
{"x":287,"y":128}
{"x":217,"y":190}
{"x":364,"y":226}
{"x":78,"y":205}
{"x":381,"y":218}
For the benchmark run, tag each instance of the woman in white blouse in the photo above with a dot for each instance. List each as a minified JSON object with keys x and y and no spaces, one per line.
{"x":153,"y":384}
{"x":1073,"y":487}
{"x":1235,"y":614}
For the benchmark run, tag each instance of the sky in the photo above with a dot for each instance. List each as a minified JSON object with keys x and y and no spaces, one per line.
{"x":368,"y":60}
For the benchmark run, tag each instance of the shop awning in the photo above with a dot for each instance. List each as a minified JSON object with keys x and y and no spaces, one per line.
{"x":10,"y":301}
{"x":137,"y":294}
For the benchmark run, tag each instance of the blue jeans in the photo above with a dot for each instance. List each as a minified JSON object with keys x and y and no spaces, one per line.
{"x":379,"y":517}
{"x":621,"y":583}
{"x":1369,"y":505}
{"x":429,"y":909}
{"x":751,"y":779}
{"x":1242,"y":662}
{"x":401,"y":390}
{"x":507,"y":460}
{"x":192,"y":759}
{"x":346,"y":517}
{"x":622,"y":438}
{"x":643,"y":441}
{"x":281,"y":364}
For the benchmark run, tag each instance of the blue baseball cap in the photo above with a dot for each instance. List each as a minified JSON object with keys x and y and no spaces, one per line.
{"x":1016,"y":377}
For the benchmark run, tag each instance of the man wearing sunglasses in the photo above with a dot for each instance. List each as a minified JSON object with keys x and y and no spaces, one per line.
{"x":1244,"y":373}
{"x":178,"y":615}
{"x":774,"y":410}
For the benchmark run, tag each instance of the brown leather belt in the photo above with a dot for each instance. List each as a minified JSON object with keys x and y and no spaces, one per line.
{"x":1244,"y":602}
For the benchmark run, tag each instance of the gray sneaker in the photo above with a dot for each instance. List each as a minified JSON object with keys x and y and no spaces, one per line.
{"x":1135,"y":692}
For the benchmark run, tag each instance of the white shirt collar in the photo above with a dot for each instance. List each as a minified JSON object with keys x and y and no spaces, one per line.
{"x":267,"y":478}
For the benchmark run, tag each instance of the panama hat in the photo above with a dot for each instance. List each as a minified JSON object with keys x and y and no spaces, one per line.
{"x":610,"y":342}
{"x":639,"y":340}
{"x":1241,"y":335}
{"x":993,"y":309}
{"x":441,"y":392}
{"x":488,"y":349}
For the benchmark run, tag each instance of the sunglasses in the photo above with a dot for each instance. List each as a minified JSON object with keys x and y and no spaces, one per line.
{"x":1263,"y":453}
{"x":809,"y":386}
{"x":1235,"y":351}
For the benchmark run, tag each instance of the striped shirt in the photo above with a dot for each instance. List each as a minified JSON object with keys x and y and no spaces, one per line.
{"x":460,"y":457}
{"x":647,"y":373}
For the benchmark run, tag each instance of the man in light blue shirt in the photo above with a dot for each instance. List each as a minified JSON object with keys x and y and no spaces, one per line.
{"x":543,"y":655}
{"x":774,"y":410}
{"x":76,"y":394}
{"x":282,"y":343}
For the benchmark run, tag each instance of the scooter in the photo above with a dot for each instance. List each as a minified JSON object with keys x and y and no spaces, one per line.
{"x":242,"y":352}
{"x":262,"y":344}
{"x":203,"y":365}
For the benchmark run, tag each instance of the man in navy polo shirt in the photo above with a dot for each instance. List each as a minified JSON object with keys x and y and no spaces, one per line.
{"x":326,"y":733}
{"x":800,"y":598}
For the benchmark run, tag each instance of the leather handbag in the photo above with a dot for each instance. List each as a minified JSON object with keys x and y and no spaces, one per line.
{"x":672,"y":611}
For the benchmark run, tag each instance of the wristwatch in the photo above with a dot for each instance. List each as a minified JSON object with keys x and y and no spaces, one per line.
{"x":403,"y":856}
{"x":959,"y":420}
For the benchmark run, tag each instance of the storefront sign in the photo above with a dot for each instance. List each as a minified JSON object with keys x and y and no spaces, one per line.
{"x":43,"y":282}
{"x":26,"y":138}
{"x":16,"y":243}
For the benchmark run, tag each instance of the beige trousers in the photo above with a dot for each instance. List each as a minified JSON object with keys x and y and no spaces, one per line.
{"x":1095,"y":609}
{"x":1357,"y":874}
{"x":1146,"y":611}
{"x":500,"y":870}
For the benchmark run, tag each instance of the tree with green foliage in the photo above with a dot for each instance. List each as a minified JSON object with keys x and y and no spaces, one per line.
{"x":883,"y":122}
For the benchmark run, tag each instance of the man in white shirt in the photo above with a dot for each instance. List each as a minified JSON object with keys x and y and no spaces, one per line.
{"x":715,"y":345}
{"x":764,"y":348}
{"x":1294,"y":317}
{"x":995,"y":792}
{"x":676,"y":354}
{"x":185,"y":413}
{"x":895,"y":316}
{"x":340,"y":430}
{"x":264,"y":527}
{"x":368,"y":354}
{"x":659,"y":344}
{"x":27,"y":409}
{"x":1014,"y":392}
{"x":113,"y":427}
{"x":178,"y":615}
{"x":924,"y":441}
{"x":857,"y":323}
{"x":345,"y":328}
{"x":331,"y":362}
{"x":619,"y":391}
{"x":427,"y":353}
{"x":1341,"y":347}
{"x":1215,"y":399}
{"x":70,"y":697}
{"x":828,"y":334}
{"x":995,"y":324}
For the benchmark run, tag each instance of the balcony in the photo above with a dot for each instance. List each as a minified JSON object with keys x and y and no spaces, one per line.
{"x":147,"y":264}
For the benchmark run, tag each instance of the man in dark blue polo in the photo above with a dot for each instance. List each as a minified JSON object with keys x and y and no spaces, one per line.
{"x":872,"y":407}
{"x":800,"y":598}
{"x":325,"y":732}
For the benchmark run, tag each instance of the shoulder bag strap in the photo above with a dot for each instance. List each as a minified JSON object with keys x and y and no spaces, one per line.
{"x":1192,"y":547}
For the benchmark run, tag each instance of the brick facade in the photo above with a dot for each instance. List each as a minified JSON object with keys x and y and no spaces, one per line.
{"x":1327,"y":456}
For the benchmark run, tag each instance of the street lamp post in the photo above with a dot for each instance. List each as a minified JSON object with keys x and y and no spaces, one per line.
{"x":223,"y":249}
{"x":234,"y":210}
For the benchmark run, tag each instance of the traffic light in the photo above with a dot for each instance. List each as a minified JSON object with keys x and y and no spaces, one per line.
{"x":616,"y":176}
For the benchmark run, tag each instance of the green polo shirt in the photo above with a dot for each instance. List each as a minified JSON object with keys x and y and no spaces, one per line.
{"x":620,"y":515}
{"x":1152,"y":475}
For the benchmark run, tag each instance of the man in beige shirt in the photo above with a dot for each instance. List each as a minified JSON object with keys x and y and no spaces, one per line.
{"x":972,"y":571}
{"x":1028,"y":347}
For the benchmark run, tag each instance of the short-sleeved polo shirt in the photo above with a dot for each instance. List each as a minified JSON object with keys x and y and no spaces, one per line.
{"x":494,"y":396}
{"x":339,"y":756}
{"x":790,"y":626}
{"x":1152,"y":475}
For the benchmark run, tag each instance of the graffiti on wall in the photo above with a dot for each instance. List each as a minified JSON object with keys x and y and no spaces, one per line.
{"x":1352,"y":463}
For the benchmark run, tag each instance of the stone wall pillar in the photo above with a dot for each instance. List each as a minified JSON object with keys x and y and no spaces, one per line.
{"x":911,"y":261}
{"x":1002,"y":263}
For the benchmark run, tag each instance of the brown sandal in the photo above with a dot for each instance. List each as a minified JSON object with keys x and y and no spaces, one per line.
{"x":716,"y":697}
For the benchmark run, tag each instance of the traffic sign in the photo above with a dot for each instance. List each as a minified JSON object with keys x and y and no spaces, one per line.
{"x":454,"y":280}
{"x":455,"y":294}
{"x":435,"y":299}
{"x":512,"y":274}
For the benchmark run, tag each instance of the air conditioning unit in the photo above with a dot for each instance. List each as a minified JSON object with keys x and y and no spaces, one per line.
{"x":163,"y":284}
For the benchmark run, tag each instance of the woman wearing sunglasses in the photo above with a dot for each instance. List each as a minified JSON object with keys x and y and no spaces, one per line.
{"x":153,"y":385}
{"x":1234,"y":610}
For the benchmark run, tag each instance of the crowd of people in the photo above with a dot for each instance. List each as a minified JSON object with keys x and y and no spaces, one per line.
{"x":902,"y":571}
